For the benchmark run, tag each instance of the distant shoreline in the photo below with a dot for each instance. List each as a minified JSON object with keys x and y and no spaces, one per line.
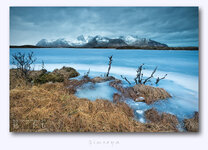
{"x":118,"y":48}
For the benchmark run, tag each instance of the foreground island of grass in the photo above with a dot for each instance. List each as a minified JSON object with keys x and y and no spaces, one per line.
{"x":48,"y":104}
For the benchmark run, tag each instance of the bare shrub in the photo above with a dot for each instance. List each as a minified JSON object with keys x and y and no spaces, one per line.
{"x":23,"y":62}
{"x":139,"y":79}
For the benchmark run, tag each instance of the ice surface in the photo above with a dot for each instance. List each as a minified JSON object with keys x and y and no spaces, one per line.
{"x":96,"y":91}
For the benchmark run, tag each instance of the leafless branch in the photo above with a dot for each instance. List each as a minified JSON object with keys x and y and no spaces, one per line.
{"x":158,"y":79}
{"x":109,"y":65}
{"x":88,"y":72}
{"x":150,"y":76}
{"x":126,"y":79}
{"x":138,"y":78}
{"x":43,"y":65}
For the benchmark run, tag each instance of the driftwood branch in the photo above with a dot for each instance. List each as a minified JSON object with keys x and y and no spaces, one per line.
{"x":87,"y":73}
{"x":150,"y":76}
{"x":126,"y":79}
{"x":109,"y":65}
{"x":139,"y":75}
{"x":43,"y":65}
{"x":158,"y":79}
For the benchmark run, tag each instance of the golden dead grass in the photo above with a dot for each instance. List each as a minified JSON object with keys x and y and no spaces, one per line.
{"x":17,"y":83}
{"x":167,"y":120}
{"x":192,"y":124}
{"x":50,"y":108}
{"x":150,"y":94}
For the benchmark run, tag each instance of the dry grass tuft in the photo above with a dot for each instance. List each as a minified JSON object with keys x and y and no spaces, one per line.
{"x":17,"y":83}
{"x":168,"y":121}
{"x":151,"y":94}
{"x":192,"y":125}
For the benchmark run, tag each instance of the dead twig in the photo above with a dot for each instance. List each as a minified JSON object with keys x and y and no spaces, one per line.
{"x":158,"y":79}
{"x":87,"y":73}
{"x":150,"y":76}
{"x":126,"y":79}
{"x":138,"y":79}
{"x":109,"y":65}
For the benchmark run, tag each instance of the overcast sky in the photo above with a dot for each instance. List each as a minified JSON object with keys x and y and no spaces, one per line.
{"x":175,"y":26}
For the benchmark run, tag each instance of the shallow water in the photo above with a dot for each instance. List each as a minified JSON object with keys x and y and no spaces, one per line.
{"x":181,"y":67}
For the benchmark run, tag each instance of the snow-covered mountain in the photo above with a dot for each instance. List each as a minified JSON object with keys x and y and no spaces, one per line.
{"x":141,"y":42}
{"x":129,"y":39}
{"x":101,"y":41}
{"x":81,"y":40}
{"x":53,"y":43}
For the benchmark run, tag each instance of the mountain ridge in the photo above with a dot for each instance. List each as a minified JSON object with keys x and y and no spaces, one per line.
{"x":101,"y":41}
{"x":121,"y":42}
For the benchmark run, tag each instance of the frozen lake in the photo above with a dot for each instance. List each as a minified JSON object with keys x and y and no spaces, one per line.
{"x":181,"y":67}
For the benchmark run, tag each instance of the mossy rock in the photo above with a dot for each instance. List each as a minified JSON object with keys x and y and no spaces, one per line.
{"x":67,"y":72}
{"x":49,"y":77}
{"x":37,"y":73}
{"x":58,"y":75}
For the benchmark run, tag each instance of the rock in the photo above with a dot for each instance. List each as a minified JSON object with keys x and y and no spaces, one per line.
{"x":116,"y":97}
{"x":140,"y":99}
{"x":73,"y":84}
{"x":48,"y":77}
{"x":36,"y":73}
{"x":102,"y":79}
{"x":192,"y":125}
{"x":66,"y":72}
{"x":97,"y":79}
{"x":58,"y":75}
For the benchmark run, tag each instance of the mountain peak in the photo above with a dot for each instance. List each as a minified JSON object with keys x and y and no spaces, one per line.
{"x":61,"y":42}
{"x":81,"y":38}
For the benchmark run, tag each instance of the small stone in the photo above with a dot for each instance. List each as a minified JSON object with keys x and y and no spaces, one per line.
{"x":140,"y":99}
{"x":141,"y":112}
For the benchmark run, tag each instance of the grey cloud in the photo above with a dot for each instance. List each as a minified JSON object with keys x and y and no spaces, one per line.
{"x":172,"y":25}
